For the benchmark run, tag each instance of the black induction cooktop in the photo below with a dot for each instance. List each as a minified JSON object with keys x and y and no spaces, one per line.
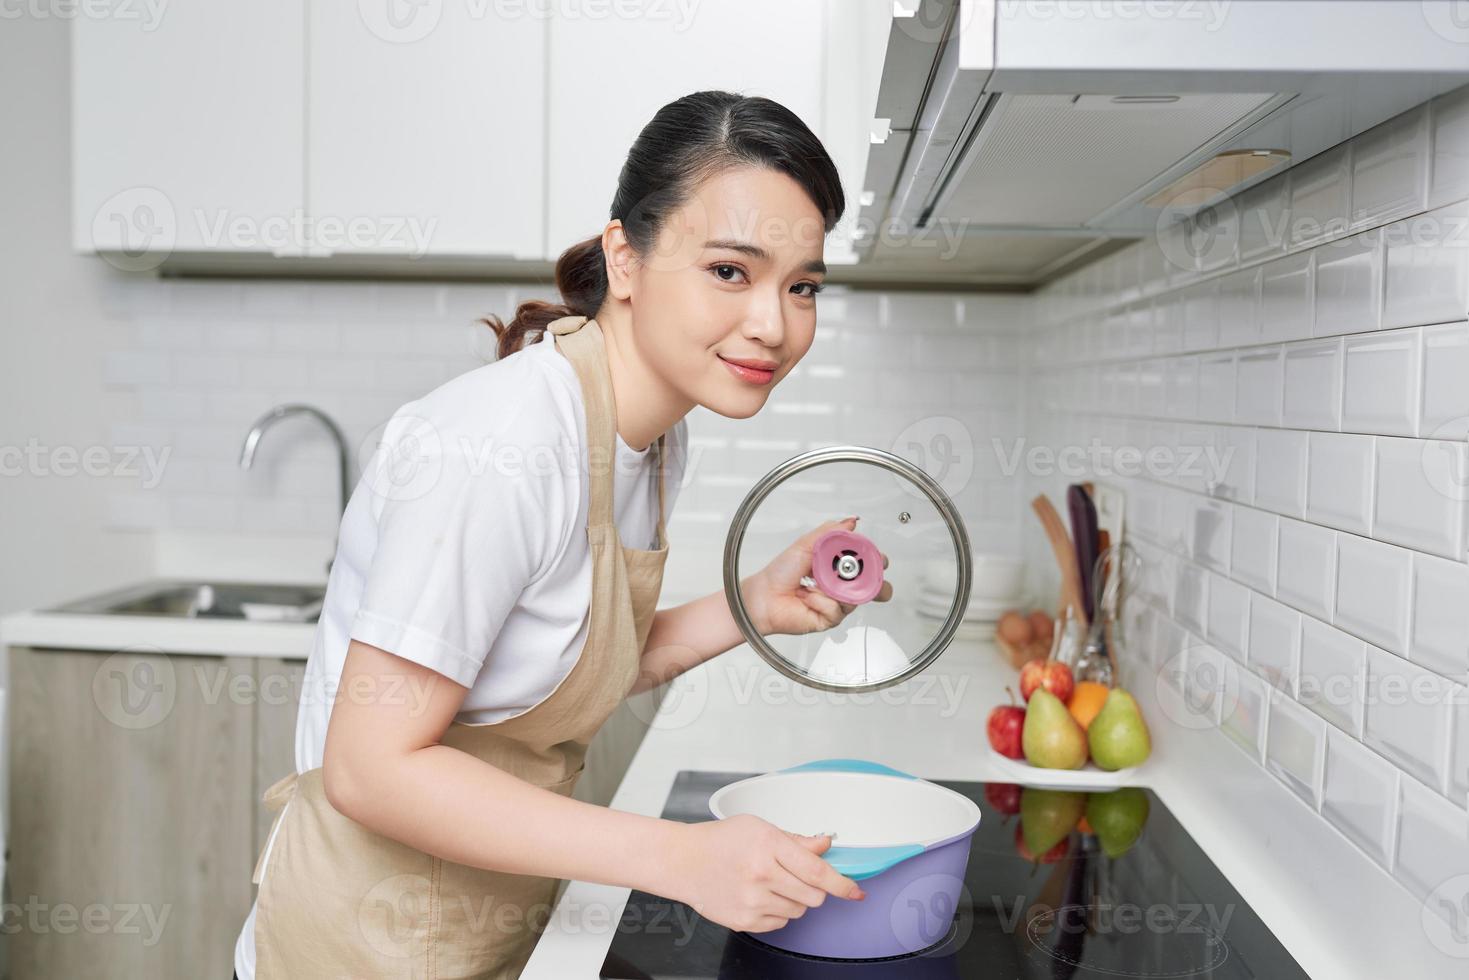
{"x":1155,"y":907}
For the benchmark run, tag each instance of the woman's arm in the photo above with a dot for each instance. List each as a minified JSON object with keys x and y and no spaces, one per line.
{"x":384,"y":767}
{"x":685,"y":636}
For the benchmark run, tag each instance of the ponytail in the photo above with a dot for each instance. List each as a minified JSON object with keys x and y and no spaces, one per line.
{"x":581,"y":278}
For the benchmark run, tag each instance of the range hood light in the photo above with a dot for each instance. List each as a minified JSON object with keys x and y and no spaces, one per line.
{"x":1217,"y":177}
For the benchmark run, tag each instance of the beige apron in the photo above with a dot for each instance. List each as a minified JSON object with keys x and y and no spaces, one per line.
{"x":339,"y":900}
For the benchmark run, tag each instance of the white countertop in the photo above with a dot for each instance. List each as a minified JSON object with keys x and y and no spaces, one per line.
{"x":1338,"y":914}
{"x":162,"y":634}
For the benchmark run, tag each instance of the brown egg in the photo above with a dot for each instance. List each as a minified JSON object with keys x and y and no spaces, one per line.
{"x":1041,"y":625}
{"x":1015,"y":628}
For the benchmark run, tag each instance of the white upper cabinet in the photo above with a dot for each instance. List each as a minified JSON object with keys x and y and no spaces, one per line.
{"x":399,"y":130}
{"x":187,"y":128}
{"x":609,"y":74}
{"x":426,"y":132}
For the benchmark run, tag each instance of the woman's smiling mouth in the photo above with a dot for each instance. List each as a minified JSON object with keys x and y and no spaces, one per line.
{"x":748,"y":369}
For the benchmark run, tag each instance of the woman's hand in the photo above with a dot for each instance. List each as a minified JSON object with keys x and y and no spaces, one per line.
{"x":747,"y":874}
{"x":779,"y":603}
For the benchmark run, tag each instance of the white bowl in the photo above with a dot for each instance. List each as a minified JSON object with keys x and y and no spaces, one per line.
{"x":994,"y":577}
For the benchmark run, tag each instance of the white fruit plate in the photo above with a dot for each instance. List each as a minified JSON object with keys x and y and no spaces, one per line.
{"x":1089,"y":776}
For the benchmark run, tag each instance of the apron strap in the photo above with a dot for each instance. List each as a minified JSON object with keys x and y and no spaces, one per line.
{"x":587,"y":352}
{"x":661,"y":478}
{"x":276,"y":798}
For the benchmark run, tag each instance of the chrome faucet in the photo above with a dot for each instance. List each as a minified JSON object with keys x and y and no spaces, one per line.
{"x":344,"y":458}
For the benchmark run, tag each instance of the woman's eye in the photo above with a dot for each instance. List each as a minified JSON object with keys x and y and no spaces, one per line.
{"x":812,"y":286}
{"x":732,"y":268}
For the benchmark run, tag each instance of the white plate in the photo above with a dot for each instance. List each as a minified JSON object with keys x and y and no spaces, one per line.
{"x":1085,"y":778}
{"x":973,"y":614}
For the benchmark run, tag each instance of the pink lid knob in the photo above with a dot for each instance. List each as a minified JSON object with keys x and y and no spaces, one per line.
{"x":847,"y":567}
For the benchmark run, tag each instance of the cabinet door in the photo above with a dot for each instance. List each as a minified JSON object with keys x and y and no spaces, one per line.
{"x":186,"y":128}
{"x":130,"y":813}
{"x":426,"y":131}
{"x":610,"y":74}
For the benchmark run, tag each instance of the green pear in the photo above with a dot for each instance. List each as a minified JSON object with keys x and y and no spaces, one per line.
{"x":1117,"y":818}
{"x":1118,"y":736}
{"x":1048,"y":815}
{"x":1051,"y":738}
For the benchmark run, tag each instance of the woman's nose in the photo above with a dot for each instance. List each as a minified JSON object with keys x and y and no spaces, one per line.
{"x":765,"y":325}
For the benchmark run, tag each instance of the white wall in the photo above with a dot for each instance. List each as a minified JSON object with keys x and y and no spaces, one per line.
{"x":1311,"y":595}
{"x":54,"y":328}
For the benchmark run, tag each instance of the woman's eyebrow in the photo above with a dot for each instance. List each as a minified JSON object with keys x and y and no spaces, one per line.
{"x":756,"y":252}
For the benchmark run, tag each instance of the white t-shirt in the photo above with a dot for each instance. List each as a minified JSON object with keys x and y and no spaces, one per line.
{"x":464,"y":546}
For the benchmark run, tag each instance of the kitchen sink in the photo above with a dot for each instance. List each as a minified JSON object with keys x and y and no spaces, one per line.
{"x":262,"y":602}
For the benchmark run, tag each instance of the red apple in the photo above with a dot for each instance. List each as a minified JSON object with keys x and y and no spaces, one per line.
{"x":1004,"y":797}
{"x":1062,"y":848}
{"x":1004,"y":729}
{"x":1053,"y":675}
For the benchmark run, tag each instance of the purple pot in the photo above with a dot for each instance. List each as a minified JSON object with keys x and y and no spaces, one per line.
{"x":906,"y":841}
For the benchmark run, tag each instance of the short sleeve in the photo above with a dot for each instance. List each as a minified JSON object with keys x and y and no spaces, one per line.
{"x":458,"y":540}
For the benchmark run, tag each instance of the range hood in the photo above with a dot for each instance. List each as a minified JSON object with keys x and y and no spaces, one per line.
{"x":1018,"y":139}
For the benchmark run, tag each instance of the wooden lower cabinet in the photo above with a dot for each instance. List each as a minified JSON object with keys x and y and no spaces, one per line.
{"x":134,"y":814}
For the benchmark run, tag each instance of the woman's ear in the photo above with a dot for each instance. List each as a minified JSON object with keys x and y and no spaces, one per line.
{"x":618,"y":253}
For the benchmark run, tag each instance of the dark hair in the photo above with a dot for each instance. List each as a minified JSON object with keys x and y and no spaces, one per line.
{"x":687,"y":141}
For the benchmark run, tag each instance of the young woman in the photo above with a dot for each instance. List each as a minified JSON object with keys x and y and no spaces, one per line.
{"x":492,"y":599}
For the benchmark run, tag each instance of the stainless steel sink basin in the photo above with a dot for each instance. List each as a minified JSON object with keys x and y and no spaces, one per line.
{"x":207,"y":600}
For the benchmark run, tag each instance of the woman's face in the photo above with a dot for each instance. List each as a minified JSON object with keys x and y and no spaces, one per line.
{"x":725,"y":306}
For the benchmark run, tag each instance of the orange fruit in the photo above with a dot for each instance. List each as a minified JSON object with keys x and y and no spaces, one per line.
{"x":1086,"y":701}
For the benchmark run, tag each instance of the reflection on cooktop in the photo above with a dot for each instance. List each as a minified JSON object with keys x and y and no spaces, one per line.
{"x":1134,"y":898}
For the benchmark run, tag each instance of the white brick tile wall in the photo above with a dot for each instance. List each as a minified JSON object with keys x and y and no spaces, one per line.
{"x":1306,"y":572}
{"x":1313,"y":385}
{"x":1295,"y":748}
{"x":1336,"y":363}
{"x":1372,"y":586}
{"x":1349,"y":285}
{"x":197,"y":361}
{"x":1380,"y":390}
{"x":1440,"y":639}
{"x":1332,"y":679}
{"x":1408,"y":715}
{"x":1339,"y":480}
{"x":1361,"y":796}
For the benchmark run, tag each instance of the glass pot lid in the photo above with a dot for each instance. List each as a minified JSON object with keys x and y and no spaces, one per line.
{"x":903,"y":516}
